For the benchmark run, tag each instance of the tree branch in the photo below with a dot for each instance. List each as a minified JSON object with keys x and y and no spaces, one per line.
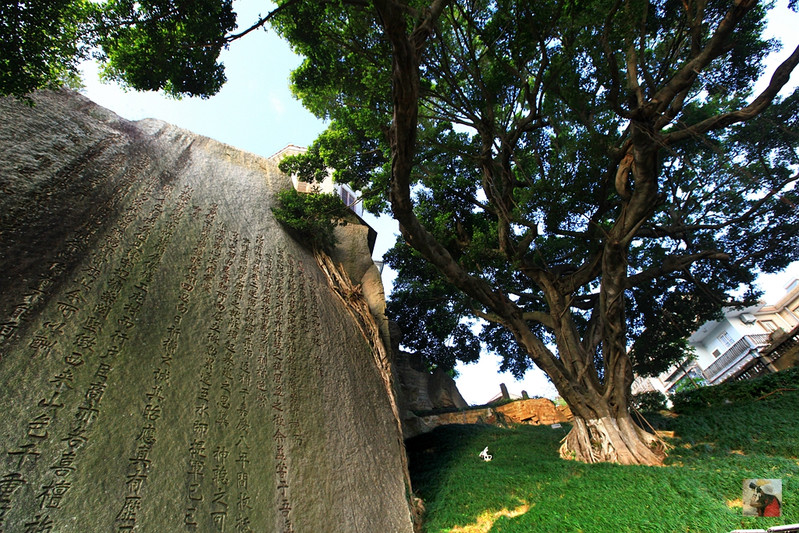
{"x":613,"y":65}
{"x":685,"y":76}
{"x":532,"y":316}
{"x":674,"y":264}
{"x":679,"y":231}
{"x":261,"y":22}
{"x":780,"y":77}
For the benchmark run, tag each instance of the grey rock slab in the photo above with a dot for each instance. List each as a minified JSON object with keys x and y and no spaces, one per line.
{"x":170,"y":359}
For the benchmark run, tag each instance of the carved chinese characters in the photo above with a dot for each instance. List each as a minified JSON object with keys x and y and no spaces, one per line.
{"x":170,"y":359}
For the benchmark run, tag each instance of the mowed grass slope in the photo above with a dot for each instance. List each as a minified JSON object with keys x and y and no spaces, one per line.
{"x":699,"y":489}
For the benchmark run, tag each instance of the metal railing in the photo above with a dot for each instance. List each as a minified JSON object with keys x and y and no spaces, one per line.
{"x":735,"y":354}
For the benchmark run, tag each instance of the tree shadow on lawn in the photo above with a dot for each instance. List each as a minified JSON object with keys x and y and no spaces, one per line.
{"x":457,"y":486}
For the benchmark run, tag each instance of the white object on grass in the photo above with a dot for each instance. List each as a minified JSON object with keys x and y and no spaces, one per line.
{"x":485,"y":456}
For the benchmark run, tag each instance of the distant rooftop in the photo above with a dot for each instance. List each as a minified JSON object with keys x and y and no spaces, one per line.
{"x":289,"y":149}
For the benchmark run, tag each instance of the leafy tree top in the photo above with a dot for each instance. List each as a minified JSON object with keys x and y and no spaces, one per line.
{"x":548,"y":133}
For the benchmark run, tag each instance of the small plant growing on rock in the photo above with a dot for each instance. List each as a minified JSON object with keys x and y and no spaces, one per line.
{"x":311,"y":217}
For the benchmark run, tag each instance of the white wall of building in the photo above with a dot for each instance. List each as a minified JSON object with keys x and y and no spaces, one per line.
{"x":715,"y":338}
{"x":327,"y":186}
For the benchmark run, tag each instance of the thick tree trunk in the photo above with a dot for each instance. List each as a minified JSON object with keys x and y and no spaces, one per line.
{"x":603,"y":430}
{"x":615,"y":440}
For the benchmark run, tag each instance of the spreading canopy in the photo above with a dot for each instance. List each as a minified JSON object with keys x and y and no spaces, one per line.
{"x":582,"y":176}
{"x":532,"y":121}
{"x":169,"y":45}
{"x":40,"y":43}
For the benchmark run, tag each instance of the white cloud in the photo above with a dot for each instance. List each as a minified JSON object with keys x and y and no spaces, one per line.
{"x":277,"y":104}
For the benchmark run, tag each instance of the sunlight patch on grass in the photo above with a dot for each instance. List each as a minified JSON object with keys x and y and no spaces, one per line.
{"x":705,"y":468}
{"x":486,"y":520}
{"x":732,"y":504}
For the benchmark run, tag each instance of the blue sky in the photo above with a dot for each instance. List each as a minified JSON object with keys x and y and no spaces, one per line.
{"x":255,"y":111}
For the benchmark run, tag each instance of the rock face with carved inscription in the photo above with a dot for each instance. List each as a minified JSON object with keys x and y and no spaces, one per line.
{"x":170,"y":359}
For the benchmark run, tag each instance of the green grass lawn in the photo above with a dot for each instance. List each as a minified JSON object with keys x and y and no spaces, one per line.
{"x":699,"y":489}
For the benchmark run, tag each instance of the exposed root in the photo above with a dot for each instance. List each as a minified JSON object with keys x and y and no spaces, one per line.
{"x":775,"y":391}
{"x":607,"y":440}
{"x":355,"y":303}
{"x":357,"y":306}
{"x":659,"y":444}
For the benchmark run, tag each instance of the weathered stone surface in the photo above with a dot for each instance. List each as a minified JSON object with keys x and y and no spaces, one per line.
{"x":419,"y":390}
{"x":536,"y":411}
{"x":353,"y":254}
{"x":171,"y":360}
{"x":444,"y":392}
{"x":413,"y":381}
{"x":485,"y":415}
{"x":426,"y":390}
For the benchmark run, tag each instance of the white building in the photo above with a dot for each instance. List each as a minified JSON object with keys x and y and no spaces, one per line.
{"x":344,"y":191}
{"x":745,"y":343}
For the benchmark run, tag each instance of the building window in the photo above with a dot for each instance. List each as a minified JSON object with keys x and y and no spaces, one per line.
{"x":350,"y":200}
{"x":716,"y":353}
{"x":768,"y":325}
{"x":726,"y":339}
{"x":346,"y":197}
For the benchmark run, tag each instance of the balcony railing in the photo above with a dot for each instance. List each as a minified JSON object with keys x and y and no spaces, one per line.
{"x":734,"y":355}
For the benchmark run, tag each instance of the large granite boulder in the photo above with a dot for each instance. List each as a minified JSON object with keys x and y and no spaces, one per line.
{"x":420,"y":391}
{"x":171,"y":360}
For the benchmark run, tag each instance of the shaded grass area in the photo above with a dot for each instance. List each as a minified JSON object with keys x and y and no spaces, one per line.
{"x":698,"y":490}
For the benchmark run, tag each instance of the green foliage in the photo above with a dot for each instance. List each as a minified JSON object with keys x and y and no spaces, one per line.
{"x":168,"y":45}
{"x":41,"y":44}
{"x":649,"y":401}
{"x":714,"y":451}
{"x":663,"y":317}
{"x":690,"y":383}
{"x":165,"y":44}
{"x":689,"y":400}
{"x":342,"y":47}
{"x":585,"y":175}
{"x":311,"y":217}
{"x":765,"y":425}
{"x":524,"y":115}
{"x":430,"y":319}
